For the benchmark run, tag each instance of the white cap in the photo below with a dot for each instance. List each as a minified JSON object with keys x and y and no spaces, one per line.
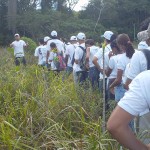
{"x":46,"y":38}
{"x":73,"y":38}
{"x":107,"y":35}
{"x":16,"y":35}
{"x":53,"y":33}
{"x":142,"y":45}
{"x":81,"y":36}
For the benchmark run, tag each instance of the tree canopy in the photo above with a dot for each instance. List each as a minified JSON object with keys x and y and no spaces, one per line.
{"x":36,"y":18}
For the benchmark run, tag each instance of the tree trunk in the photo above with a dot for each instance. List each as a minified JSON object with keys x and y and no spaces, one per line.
{"x":12,"y":15}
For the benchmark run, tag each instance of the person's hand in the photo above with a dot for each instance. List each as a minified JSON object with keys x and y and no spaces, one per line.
{"x":110,"y":54}
{"x":112,"y":90}
{"x":148,"y":146}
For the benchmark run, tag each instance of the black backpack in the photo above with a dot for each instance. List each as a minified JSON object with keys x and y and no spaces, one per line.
{"x":147,"y":56}
{"x":83,"y":60}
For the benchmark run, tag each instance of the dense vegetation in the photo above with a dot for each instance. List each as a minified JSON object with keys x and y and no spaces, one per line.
{"x":39,"y":111}
{"x":24,"y":17}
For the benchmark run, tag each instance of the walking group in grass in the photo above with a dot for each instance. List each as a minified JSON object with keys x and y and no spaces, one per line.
{"x":126,"y":73}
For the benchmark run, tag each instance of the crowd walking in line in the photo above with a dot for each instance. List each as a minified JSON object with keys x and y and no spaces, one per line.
{"x":126,"y":73}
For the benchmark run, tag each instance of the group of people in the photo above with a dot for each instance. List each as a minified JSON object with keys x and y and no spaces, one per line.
{"x":117,"y":61}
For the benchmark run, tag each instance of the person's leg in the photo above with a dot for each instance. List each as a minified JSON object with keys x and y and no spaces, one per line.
{"x":24,"y":61}
{"x":17,"y":62}
{"x":75,"y":77}
{"x":93,"y":77}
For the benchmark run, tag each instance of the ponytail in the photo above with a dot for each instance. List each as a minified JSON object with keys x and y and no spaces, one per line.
{"x":129,"y":50}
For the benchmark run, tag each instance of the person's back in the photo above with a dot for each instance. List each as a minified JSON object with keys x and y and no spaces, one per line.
{"x":93,"y":50}
{"x":41,"y":53}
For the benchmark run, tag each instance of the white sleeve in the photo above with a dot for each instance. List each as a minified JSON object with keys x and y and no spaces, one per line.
{"x":134,"y":69}
{"x":51,"y":57}
{"x":24,"y":44}
{"x":36,"y":54}
{"x":121,"y":65}
{"x":99,"y":55}
{"x":134,"y":101}
{"x":111,"y":63}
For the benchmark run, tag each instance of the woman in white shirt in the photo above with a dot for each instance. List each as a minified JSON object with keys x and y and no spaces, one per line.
{"x":111,"y":71}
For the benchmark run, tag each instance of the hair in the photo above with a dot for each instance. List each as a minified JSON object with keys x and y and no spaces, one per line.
{"x":41,"y":41}
{"x":144,"y":25}
{"x":113,"y":37}
{"x":90,"y":42}
{"x":53,"y":45}
{"x":124,"y":40}
{"x":113,"y":44}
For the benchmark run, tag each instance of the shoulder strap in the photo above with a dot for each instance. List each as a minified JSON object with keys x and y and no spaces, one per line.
{"x":84,"y":50}
{"x":147,"y":56}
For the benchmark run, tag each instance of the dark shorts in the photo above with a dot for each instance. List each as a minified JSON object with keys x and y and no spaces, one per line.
{"x":20,"y":60}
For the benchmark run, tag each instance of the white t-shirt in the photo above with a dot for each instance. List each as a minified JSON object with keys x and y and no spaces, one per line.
{"x":70,"y":50}
{"x":113,"y":65}
{"x":51,"y":58}
{"x":137,"y":99}
{"x":108,"y":48}
{"x":138,"y":64}
{"x":99,"y":56}
{"x":93,"y":51}
{"x":78,"y":56}
{"x":41,"y":53}
{"x":59,"y":44}
{"x":123,"y":61}
{"x":18,"y":48}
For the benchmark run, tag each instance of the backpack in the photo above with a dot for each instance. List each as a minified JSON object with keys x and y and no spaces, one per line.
{"x":83,"y":60}
{"x":147,"y":56}
{"x":60,"y":62}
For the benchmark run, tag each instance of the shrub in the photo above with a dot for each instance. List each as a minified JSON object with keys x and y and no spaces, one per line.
{"x":31,"y":45}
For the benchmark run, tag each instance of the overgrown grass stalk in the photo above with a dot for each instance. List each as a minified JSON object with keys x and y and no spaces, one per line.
{"x":40,"y":112}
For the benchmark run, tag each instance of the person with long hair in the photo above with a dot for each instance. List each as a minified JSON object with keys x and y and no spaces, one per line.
{"x":125,"y":45}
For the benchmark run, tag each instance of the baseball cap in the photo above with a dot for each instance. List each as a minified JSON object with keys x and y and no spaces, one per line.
{"x":73,"y":38}
{"x":46,"y":38}
{"x":144,"y":35}
{"x":81,"y":36}
{"x":142,"y":45}
{"x":16,"y":35}
{"x":53,"y":33}
{"x":107,"y":35}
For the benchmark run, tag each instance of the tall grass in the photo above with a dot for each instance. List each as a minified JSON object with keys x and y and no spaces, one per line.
{"x":40,"y":112}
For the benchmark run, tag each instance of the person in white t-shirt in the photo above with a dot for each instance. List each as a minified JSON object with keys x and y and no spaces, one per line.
{"x":93,"y":71}
{"x":59,"y":44}
{"x":69,"y":55}
{"x":139,"y":61}
{"x":41,"y":53}
{"x":135,"y":101}
{"x":80,"y":72}
{"x":18,"y":46}
{"x":111,"y":70}
{"x":125,"y":45}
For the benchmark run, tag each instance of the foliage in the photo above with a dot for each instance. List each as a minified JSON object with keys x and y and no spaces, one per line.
{"x":39,"y":111}
{"x":31,"y":44}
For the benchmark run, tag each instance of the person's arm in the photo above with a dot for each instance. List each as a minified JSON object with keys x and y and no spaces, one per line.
{"x":118,"y":126}
{"x":108,"y":71}
{"x":11,"y":45}
{"x":47,"y":56}
{"x":118,"y":79}
{"x":95,"y":62}
{"x":126,"y":85}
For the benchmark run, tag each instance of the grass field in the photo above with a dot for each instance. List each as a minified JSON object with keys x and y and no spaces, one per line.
{"x":40,"y":112}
